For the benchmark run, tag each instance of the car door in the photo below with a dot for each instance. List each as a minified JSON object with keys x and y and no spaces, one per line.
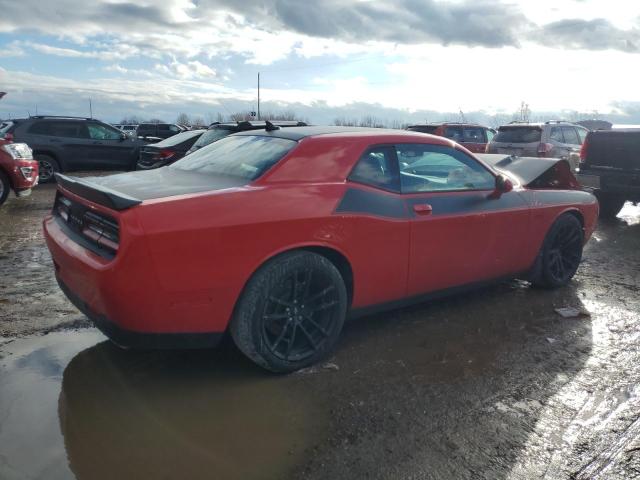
{"x":67,"y":138}
{"x":110,"y":149}
{"x":461,"y":232}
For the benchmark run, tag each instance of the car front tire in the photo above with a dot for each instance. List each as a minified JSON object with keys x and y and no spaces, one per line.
{"x":291,"y":312}
{"x":5,"y":187}
{"x":48,"y":166}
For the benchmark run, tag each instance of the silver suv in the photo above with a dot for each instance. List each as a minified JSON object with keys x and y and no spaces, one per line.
{"x":550,"y":139}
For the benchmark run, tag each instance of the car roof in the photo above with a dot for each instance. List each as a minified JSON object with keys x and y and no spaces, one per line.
{"x":441,"y":124}
{"x":298,"y":133}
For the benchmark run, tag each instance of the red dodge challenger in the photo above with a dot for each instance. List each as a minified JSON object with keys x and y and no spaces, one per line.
{"x":277,"y":235}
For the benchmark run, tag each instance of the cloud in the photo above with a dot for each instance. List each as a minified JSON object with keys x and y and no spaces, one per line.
{"x":597,"y":34}
{"x":189,"y":70}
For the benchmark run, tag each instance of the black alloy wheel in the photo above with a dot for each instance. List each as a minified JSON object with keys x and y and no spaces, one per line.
{"x":561,"y":252}
{"x":291,"y":313}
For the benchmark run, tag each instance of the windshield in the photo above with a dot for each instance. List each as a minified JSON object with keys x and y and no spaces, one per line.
{"x":178,"y":138}
{"x":210,"y":136}
{"x":244,"y":156}
{"x":518,"y":135}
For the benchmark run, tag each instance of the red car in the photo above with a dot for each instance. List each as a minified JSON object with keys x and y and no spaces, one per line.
{"x":18,"y":170}
{"x":277,"y":235}
{"x":472,"y":136}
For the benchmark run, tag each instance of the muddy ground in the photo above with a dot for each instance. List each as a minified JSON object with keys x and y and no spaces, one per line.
{"x":490,"y":385}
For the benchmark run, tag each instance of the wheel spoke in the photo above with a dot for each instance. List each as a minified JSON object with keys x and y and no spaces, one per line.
{"x":324,"y":306}
{"x":313,"y":344}
{"x":281,"y":336}
{"x":275,"y":316}
{"x":316,"y":325}
{"x":279,"y":301}
{"x":320,"y":294}
{"x":291,"y":341}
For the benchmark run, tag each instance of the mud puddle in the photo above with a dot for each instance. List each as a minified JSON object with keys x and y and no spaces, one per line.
{"x":73,"y":406}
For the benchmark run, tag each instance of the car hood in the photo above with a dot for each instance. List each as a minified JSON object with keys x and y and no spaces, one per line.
{"x":126,"y":190}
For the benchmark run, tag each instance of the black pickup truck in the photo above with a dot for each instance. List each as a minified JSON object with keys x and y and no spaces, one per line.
{"x":610,"y":166}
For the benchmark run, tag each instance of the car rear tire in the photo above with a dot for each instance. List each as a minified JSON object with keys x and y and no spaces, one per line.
{"x":5,"y":187}
{"x":291,"y":312}
{"x":48,"y":166}
{"x":610,"y":205}
{"x":561,"y":253}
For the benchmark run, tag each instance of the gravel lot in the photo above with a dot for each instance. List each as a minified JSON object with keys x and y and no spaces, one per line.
{"x":490,"y":385}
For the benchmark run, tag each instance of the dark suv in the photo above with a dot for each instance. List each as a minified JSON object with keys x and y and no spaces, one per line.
{"x":62,"y":144}
{"x":472,"y":136}
{"x":158,"y":130}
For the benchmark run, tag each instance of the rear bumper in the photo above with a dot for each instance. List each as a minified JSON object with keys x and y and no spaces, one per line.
{"x":124,"y":299}
{"x":625,"y":184}
{"x":141,"y":340}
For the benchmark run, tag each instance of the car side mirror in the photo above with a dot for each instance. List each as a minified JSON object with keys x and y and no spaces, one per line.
{"x":503,"y":185}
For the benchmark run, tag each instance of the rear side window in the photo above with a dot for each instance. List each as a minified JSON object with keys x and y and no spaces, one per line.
{"x":582,"y":133}
{"x":570,"y":136}
{"x":60,"y":129}
{"x":5,"y":127}
{"x":378,"y":168}
{"x":454,"y":133}
{"x":556,"y":135}
{"x":518,"y":135}
{"x":244,"y":156}
{"x":473,"y":135}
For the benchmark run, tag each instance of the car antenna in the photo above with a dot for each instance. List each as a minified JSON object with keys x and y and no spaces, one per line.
{"x":270,"y":126}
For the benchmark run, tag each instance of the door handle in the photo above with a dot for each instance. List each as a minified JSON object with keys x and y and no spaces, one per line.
{"x":423,"y":209}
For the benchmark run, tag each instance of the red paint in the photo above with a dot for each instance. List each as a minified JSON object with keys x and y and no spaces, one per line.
{"x":183,"y":261}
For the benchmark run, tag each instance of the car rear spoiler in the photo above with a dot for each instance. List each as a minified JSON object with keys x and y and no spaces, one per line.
{"x":96,"y":193}
{"x":525,"y":169}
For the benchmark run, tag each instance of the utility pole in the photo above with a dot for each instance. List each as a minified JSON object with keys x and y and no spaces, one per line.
{"x":258,"y":95}
{"x":90,"y":109}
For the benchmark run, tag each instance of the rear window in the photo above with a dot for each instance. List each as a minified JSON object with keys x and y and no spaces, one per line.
{"x":177,"y":139}
{"x":243,"y":156}
{"x":210,"y":136}
{"x":518,"y":135}
{"x":423,"y":128}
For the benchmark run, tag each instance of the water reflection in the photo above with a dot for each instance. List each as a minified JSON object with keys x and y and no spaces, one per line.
{"x":181,"y":415}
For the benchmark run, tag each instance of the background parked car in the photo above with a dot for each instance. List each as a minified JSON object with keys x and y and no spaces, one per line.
{"x":610,"y":165}
{"x":217,"y":130}
{"x":159,"y":130}
{"x":18,"y":170}
{"x":130,"y":130}
{"x":553,"y":139}
{"x":168,"y":150}
{"x":472,"y":136}
{"x":62,"y":144}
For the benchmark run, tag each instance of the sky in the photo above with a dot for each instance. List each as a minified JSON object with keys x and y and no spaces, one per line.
{"x":398,"y":60}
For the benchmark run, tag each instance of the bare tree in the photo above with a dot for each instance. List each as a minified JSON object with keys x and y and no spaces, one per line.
{"x":131,"y":120}
{"x":183,"y":119}
{"x":198,"y":122}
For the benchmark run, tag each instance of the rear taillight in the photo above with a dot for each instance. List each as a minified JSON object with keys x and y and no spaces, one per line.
{"x":99,"y":229}
{"x":8,"y":137}
{"x":166,"y":153}
{"x":544,"y":149}
{"x":583,"y":150}
{"x":103,"y":231}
